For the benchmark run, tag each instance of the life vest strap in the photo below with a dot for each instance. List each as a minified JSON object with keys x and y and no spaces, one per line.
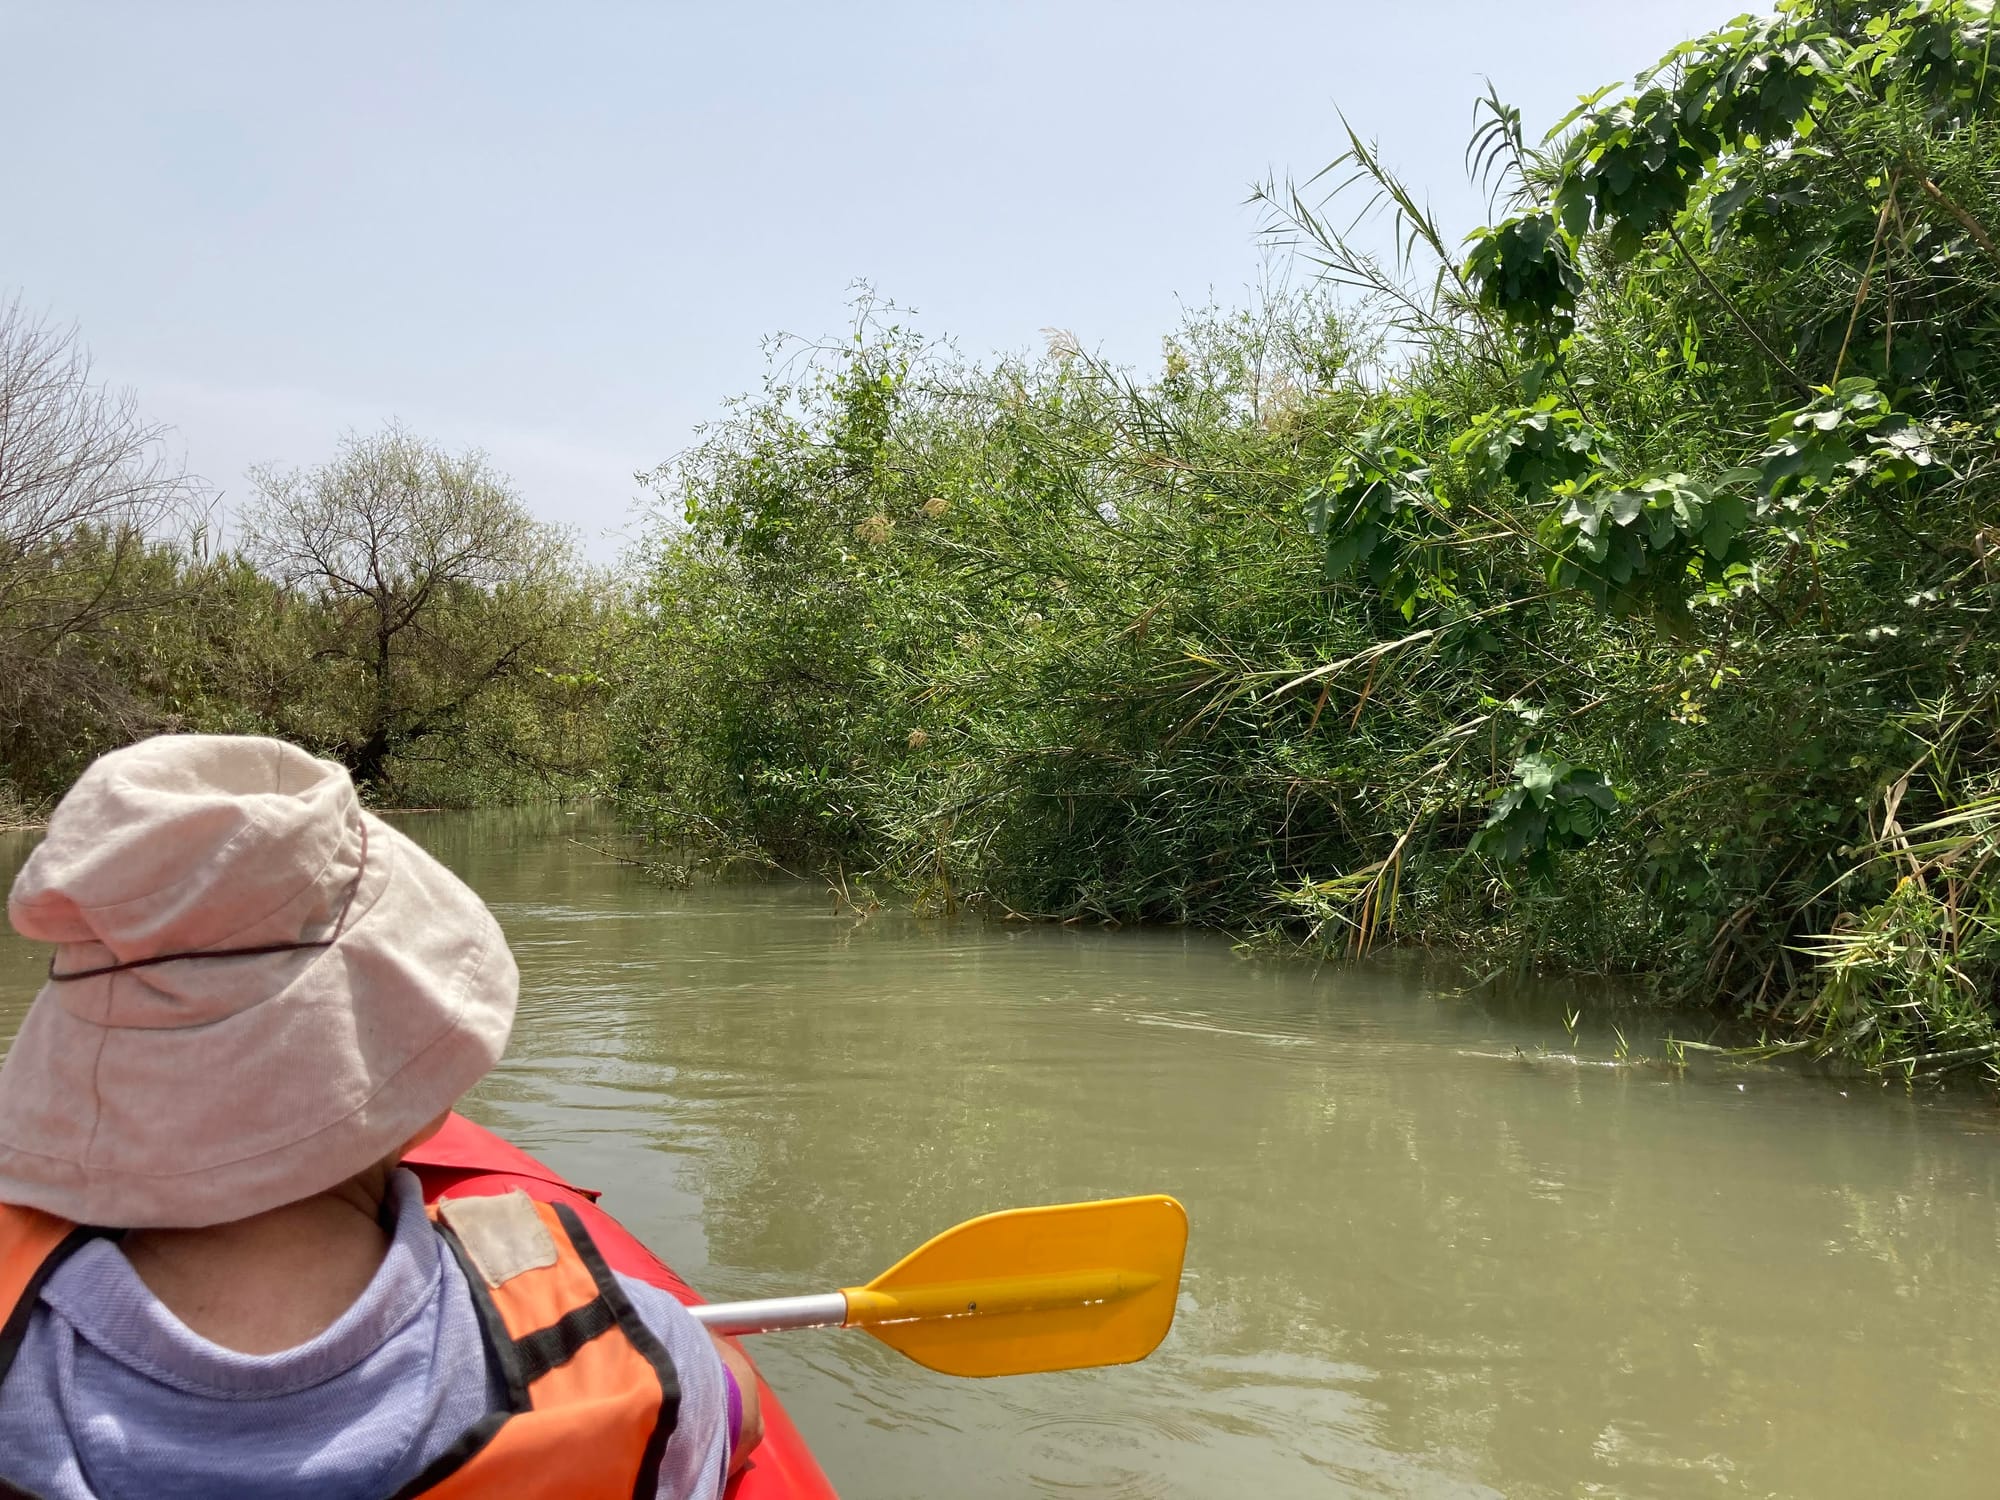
{"x":643,"y":1340}
{"x":527,"y":1359}
{"x":548,"y":1348}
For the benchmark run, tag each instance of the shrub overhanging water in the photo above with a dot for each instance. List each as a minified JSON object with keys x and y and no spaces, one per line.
{"x":1615,"y":593}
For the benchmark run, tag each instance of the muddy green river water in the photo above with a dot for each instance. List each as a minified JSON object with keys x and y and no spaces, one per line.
{"x":1432,"y":1255}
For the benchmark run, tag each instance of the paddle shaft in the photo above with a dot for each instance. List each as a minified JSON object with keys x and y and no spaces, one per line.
{"x":773,"y":1314}
{"x":863,"y":1306}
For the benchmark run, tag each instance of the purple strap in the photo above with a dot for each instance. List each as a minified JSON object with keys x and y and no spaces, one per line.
{"x":735,"y":1409}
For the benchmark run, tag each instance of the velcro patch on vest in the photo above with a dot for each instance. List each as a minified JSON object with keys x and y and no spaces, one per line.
{"x":502,"y":1234}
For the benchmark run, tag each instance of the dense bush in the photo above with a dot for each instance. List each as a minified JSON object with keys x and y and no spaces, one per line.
{"x":1615,"y":595}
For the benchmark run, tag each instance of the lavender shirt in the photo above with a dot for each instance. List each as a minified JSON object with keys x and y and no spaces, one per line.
{"x":112,"y":1395}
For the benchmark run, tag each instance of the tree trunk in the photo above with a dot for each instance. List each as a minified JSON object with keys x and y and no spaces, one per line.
{"x":371,"y":757}
{"x":368,"y":761}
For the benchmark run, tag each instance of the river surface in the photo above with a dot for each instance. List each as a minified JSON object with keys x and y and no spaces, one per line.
{"x":1432,"y":1254}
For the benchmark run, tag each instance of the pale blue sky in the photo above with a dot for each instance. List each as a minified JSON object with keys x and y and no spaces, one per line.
{"x":560,"y":231}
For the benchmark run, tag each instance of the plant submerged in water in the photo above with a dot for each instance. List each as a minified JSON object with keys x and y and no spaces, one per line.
{"x":1584,"y":597}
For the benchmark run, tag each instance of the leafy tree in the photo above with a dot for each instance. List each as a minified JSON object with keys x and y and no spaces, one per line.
{"x":441,"y":610}
{"x":1757,"y":294}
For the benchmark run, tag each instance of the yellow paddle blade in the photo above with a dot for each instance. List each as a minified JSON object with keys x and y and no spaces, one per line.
{"x":1056,"y":1288}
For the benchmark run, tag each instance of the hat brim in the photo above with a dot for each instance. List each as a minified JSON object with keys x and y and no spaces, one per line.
{"x":359,"y":1047}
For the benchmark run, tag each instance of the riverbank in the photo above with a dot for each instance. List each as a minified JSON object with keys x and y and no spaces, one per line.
{"x":1616,"y":600}
{"x":16,"y":815}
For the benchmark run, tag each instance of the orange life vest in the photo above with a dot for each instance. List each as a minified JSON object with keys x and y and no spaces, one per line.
{"x":591,"y":1394}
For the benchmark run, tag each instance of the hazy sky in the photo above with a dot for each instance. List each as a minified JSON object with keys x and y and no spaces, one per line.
{"x":559,"y":232}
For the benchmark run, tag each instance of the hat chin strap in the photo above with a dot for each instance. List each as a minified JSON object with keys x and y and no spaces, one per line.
{"x":260,"y":951}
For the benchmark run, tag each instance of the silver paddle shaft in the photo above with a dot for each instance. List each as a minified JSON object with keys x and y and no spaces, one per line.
{"x":773,"y":1314}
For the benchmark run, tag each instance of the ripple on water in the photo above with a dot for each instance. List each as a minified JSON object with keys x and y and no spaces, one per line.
{"x":1115,"y":1455}
{"x":1195,"y":1021}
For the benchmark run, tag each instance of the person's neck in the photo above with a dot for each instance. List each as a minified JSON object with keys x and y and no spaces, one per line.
{"x":275,"y":1280}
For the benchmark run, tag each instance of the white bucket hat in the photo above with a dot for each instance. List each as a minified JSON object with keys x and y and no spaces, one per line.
{"x":258,"y":990}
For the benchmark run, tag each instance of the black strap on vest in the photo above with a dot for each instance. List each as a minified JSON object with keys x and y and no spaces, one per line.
{"x":647,"y":1483}
{"x":548,"y":1348}
{"x":521,"y":1362}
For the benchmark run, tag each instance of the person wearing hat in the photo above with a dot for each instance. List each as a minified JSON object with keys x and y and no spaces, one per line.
{"x":215,"y":1280}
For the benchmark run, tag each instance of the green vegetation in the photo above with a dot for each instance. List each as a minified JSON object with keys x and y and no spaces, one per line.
{"x":449,"y":632}
{"x":396,"y":609}
{"x":1615,"y":594}
{"x":1612,"y":590}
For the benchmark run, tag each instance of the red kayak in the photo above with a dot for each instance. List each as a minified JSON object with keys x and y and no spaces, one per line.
{"x":465,"y":1160}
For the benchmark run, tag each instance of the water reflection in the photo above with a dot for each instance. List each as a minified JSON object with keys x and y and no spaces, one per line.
{"x":1428,"y":1259}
